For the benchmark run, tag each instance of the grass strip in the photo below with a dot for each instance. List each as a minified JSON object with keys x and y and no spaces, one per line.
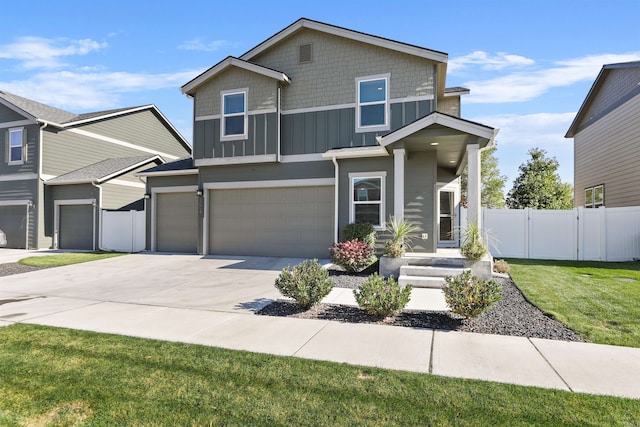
{"x":69,"y":258}
{"x":599,"y":300}
{"x":51,"y":376}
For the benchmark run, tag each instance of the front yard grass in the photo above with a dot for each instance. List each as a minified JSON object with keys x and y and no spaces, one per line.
{"x":599,"y":300}
{"x":59,"y":260}
{"x":52,"y":376}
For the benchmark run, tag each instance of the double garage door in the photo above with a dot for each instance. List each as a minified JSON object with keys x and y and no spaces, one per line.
{"x":282,"y":222}
{"x":13,"y":222}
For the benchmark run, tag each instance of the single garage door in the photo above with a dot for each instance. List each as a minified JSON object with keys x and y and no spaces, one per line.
{"x":284,"y":222}
{"x":13,"y":220}
{"x":75,"y":227}
{"x":177,"y":222}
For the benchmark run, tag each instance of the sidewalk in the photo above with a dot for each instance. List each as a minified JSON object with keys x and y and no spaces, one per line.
{"x":571,"y":366}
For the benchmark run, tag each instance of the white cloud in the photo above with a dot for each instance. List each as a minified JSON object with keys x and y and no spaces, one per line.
{"x":38,"y":52}
{"x":487,"y":62}
{"x":199,"y":44}
{"x":527,"y":85}
{"x":77,"y":91}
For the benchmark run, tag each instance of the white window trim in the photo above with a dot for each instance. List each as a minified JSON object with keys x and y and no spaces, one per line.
{"x":22,"y":147}
{"x":593,"y":203}
{"x":374,"y":128}
{"x":244,"y":114}
{"x":352,"y":212}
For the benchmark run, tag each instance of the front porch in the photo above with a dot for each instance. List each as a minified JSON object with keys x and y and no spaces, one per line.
{"x":428,"y":270}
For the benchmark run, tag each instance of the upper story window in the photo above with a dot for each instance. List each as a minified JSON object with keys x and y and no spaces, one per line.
{"x":16,"y":146}
{"x":594,"y":196}
{"x":234,"y":115}
{"x":372,"y":99}
{"x":367,"y":198}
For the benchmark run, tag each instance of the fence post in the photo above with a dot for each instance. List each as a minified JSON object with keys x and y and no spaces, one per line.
{"x":527,"y":228}
{"x":602,"y":222}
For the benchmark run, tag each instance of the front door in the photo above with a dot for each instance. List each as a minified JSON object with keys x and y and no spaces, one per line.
{"x":448,"y":220}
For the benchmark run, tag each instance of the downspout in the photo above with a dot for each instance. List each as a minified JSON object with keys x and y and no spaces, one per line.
{"x":98,"y":206}
{"x":335,"y":201}
{"x":279,"y":118}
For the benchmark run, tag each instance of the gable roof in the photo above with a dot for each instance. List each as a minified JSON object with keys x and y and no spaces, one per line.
{"x":301,"y":23}
{"x":593,"y":92}
{"x":230,"y":61}
{"x":35,"y":110}
{"x":104,"y":170}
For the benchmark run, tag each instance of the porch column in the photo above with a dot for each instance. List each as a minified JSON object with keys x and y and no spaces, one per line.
{"x":473,"y":184}
{"x":398,"y":183}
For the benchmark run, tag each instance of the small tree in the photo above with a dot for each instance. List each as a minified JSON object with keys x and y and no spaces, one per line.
{"x":539,"y":186}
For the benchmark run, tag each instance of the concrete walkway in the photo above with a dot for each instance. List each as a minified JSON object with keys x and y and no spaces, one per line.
{"x":211,"y":301}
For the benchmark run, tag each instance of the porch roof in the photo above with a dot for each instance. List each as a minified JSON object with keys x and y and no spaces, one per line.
{"x":447,"y":135}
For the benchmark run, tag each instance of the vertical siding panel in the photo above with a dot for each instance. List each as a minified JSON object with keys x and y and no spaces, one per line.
{"x":322,"y":143}
{"x":309,"y":133}
{"x":410,"y":112}
{"x":396,"y":116}
{"x":346,"y":128}
{"x":298,"y":134}
{"x":333,"y":131}
{"x":271,"y":131}
{"x":287,"y":133}
{"x":217,"y":144}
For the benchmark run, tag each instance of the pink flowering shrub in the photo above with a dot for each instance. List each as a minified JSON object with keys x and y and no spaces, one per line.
{"x":352,"y":255}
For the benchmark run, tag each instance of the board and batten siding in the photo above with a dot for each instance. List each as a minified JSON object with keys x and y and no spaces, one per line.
{"x":329,"y":79}
{"x":608,"y":152}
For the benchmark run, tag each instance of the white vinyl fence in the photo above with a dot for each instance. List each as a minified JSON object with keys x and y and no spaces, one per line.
{"x":603,"y":234}
{"x":123,"y":231}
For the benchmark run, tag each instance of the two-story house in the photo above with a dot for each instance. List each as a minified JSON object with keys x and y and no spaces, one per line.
{"x":59,"y":169}
{"x":315,"y":128}
{"x":606,"y":140}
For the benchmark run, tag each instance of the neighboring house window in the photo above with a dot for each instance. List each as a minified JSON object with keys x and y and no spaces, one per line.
{"x":594,"y":196}
{"x":16,"y":146}
{"x":372,"y":99}
{"x":367,"y":198}
{"x":234,"y":115}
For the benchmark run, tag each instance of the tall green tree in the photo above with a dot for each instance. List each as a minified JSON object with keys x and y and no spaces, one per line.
{"x":492,"y":182}
{"x":539,"y":186}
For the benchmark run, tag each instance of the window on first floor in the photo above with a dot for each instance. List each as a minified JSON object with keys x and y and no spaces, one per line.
{"x":367,"y":198}
{"x":594,"y":196}
{"x":16,"y":146}
{"x":372,"y":99}
{"x":234,"y":115}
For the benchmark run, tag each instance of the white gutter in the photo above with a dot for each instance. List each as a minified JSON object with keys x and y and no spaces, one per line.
{"x":335,"y":202}
{"x":279,"y":137}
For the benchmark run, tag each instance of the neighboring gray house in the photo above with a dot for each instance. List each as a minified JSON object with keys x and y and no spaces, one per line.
{"x":58,"y":169}
{"x":606,"y":135}
{"x":314,"y":128}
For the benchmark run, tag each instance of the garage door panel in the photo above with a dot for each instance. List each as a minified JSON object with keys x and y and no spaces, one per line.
{"x":292,"y":221}
{"x":177,"y":222}
{"x":75,"y":227}
{"x":13,"y":220}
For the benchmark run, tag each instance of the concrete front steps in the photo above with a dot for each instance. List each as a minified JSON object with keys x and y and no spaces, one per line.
{"x":428,"y":270}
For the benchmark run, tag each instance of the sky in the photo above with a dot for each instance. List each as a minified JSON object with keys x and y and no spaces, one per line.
{"x":529,"y":64}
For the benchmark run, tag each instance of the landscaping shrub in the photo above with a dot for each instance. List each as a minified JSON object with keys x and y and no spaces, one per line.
{"x":352,"y":255}
{"x":470,"y":296}
{"x":401,"y":232}
{"x":501,"y":266}
{"x":363,"y":232}
{"x":473,"y":246}
{"x":307,"y":283}
{"x":380,"y":297}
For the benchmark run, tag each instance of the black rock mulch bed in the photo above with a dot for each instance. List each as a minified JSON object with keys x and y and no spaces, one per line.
{"x":11,"y":268}
{"x":512,"y":315}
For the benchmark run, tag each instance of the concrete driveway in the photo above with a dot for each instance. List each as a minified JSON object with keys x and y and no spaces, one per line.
{"x":180,"y":281}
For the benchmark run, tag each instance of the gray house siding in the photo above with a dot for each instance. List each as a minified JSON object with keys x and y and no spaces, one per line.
{"x":329,"y":79}
{"x":421,"y":173}
{"x":9,"y":115}
{"x":608,"y":152}
{"x":141,"y":128}
{"x":115,"y":196}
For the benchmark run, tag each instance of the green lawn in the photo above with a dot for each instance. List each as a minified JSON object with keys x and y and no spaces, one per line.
{"x":59,"y":260}
{"x":52,"y":376}
{"x":600,"y":301}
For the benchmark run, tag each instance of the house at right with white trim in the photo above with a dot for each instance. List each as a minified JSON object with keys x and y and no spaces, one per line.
{"x":606,"y":135}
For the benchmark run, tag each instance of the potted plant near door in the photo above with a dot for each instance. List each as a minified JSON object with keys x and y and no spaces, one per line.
{"x":401,"y":232}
